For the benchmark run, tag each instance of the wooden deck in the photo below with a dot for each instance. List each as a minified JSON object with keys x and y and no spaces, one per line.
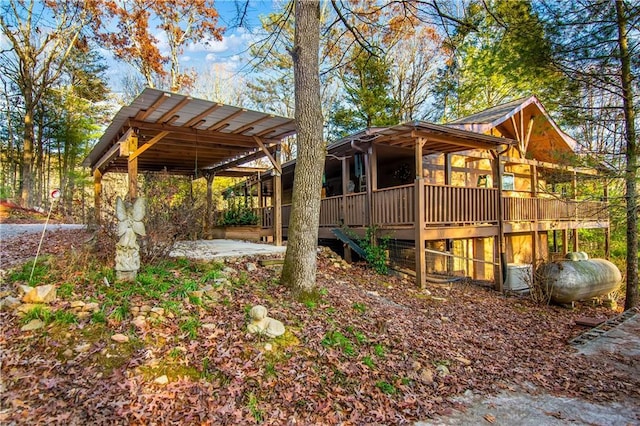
{"x":451,"y":212}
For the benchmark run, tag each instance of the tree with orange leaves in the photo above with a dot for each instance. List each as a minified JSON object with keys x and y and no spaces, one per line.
{"x":132,"y":39}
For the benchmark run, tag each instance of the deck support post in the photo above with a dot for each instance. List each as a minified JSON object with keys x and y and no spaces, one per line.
{"x":420,"y":220}
{"x":97,"y":195}
{"x":277,"y":199}
{"x":535,"y":250}
{"x":448,"y":243}
{"x":607,"y":230}
{"x":501,"y":266}
{"x":574,"y":185}
{"x":343,"y":211}
{"x":208,"y":222}
{"x":367,"y":174}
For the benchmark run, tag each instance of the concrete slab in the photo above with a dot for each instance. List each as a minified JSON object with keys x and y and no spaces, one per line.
{"x":220,"y":249}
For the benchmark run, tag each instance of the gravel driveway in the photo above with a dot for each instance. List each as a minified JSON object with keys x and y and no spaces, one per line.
{"x":9,"y":230}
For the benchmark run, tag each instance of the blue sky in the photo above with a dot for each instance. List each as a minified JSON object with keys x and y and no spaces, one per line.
{"x":228,"y":55}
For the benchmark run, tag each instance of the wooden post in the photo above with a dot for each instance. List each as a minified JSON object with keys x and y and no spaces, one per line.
{"x":448,"y":243}
{"x":208,"y":223}
{"x":576,"y":245}
{"x":565,"y":241}
{"x":534,"y":194}
{"x":500,"y":240}
{"x":277,"y":199}
{"x":607,"y":230}
{"x":345,"y":186}
{"x":97,"y":195}
{"x":132,"y":170}
{"x":368,"y":206}
{"x":373,"y":163}
{"x":420,"y":220}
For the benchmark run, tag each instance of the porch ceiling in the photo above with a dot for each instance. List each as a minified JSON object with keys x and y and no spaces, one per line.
{"x":181,"y":134}
{"x":438,"y":138}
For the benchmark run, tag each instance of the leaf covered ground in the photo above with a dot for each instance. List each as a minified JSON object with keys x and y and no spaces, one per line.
{"x":367,"y":349}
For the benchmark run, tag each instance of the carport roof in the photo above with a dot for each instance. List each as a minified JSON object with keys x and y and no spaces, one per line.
{"x":180,"y":134}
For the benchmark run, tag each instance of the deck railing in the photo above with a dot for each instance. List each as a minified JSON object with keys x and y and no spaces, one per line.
{"x":394,"y":206}
{"x":444,"y":205}
{"x":447,"y":205}
{"x":517,"y":209}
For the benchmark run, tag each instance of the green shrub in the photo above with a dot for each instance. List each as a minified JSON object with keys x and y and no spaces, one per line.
{"x":238,"y":215}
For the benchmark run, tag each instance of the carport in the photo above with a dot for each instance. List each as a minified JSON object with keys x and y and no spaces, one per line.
{"x":181,"y":135}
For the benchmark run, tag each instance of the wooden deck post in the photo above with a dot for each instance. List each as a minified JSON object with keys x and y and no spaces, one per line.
{"x":208,"y":222}
{"x":367,"y":173}
{"x":420,"y":220}
{"x":535,"y":250}
{"x":500,"y":240}
{"x":448,"y":243}
{"x":97,"y":195}
{"x":345,"y":188}
{"x":132,"y":170}
{"x":277,"y":200}
{"x":574,"y":185}
{"x":607,"y":230}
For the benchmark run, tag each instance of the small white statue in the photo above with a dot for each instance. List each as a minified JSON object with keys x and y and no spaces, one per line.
{"x":262,"y":324}
{"x":129,"y":227}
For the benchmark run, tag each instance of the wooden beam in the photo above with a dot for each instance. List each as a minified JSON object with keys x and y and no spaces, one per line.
{"x":144,"y":113}
{"x":240,"y":160}
{"x":276,"y":164}
{"x":500,"y":240}
{"x":225,"y":121}
{"x":202,"y":116}
{"x":157,"y":138}
{"x":229,"y":139}
{"x":277,"y":199}
{"x":272,"y":129}
{"x":251,"y":125}
{"x":529,"y":130}
{"x":419,"y":143}
{"x":112,"y":153}
{"x":420,"y":219}
{"x":132,"y":170}
{"x":97,"y":195}
{"x":169,"y":114}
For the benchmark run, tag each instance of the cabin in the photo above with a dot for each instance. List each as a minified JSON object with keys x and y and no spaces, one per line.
{"x":487,"y":196}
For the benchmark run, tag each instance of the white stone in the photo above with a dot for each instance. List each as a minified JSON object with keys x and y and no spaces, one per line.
{"x":139,"y":322}
{"x":120,"y":338}
{"x":251,"y":267}
{"x":83,"y":347}
{"x":39,"y":294}
{"x":91,"y":307}
{"x":268,"y":347}
{"x":158,"y":311}
{"x":162,"y":380}
{"x":9,"y":302}
{"x":34,"y":324}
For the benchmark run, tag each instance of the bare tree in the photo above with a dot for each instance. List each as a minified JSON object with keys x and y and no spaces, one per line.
{"x":40,"y":45}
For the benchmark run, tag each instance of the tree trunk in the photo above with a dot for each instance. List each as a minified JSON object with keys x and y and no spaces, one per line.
{"x":26,"y":187}
{"x":299,"y":270}
{"x":631,"y":156}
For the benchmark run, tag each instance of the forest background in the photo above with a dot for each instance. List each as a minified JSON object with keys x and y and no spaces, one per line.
{"x":381,"y":63}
